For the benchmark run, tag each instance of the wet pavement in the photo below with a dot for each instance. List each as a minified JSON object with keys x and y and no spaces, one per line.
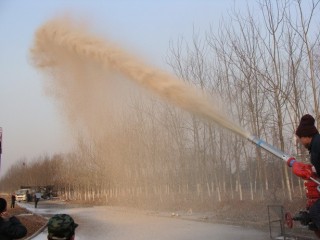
{"x":122,"y":223}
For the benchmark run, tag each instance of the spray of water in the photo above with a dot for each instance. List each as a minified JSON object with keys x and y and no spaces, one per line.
{"x":61,"y":46}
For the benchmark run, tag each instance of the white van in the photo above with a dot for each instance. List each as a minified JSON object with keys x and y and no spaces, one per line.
{"x":22,"y":194}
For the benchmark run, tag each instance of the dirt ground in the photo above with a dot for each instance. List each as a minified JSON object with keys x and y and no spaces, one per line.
{"x":32,"y":221}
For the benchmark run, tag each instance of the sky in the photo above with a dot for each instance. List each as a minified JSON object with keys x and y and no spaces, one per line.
{"x":32,"y":125}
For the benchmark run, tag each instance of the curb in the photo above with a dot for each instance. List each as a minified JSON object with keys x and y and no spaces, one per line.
{"x":39,"y":230}
{"x":36,"y":233}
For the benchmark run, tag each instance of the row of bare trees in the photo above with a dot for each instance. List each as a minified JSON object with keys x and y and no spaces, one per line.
{"x":264,"y":66}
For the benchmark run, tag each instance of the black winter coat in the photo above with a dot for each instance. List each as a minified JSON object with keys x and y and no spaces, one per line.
{"x":314,"y":150}
{"x":11,"y":229}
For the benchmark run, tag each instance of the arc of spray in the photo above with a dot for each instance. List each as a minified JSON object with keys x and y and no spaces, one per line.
{"x":63,"y":34}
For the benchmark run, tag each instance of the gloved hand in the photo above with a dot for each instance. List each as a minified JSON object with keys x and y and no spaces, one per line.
{"x":291,"y":161}
{"x":302,"y":170}
{"x":311,"y":190}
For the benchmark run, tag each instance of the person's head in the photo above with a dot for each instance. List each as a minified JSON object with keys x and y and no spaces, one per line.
{"x":61,"y":226}
{"x":3,"y":205}
{"x":306,"y":130}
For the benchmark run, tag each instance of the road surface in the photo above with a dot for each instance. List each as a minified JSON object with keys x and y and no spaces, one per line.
{"x":126,"y":224}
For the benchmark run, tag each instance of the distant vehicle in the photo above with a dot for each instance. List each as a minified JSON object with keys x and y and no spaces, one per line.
{"x":47,"y":191}
{"x":22,"y":194}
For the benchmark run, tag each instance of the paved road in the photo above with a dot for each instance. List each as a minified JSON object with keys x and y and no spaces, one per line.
{"x":119,"y":223}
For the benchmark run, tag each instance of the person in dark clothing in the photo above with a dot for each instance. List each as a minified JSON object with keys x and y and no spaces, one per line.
{"x":309,"y":137}
{"x":61,"y":226}
{"x":29,"y":197}
{"x":10,"y":226}
{"x":37,"y":197}
{"x":13,"y":200}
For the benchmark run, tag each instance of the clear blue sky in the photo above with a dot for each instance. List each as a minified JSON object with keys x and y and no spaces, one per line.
{"x":31,"y":123}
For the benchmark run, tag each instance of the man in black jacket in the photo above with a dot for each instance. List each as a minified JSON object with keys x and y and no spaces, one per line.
{"x":10,"y":226}
{"x":309,"y":137}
